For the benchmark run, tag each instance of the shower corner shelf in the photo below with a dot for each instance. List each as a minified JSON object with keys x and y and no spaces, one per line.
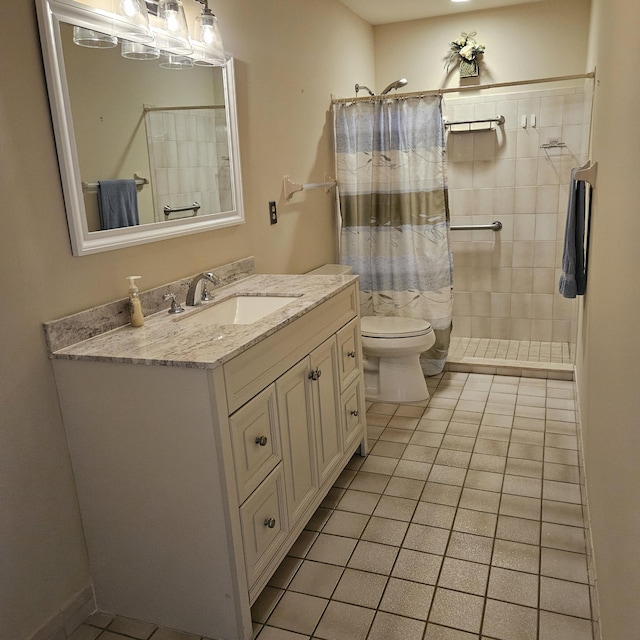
{"x":483,"y":124}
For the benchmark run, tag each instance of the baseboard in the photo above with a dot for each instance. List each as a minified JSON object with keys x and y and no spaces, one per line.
{"x":69,"y":618}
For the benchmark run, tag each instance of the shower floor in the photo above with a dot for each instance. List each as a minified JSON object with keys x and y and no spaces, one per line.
{"x":512,"y":357}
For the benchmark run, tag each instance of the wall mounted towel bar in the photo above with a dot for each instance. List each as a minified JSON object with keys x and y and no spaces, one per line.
{"x":93,"y":186}
{"x":494,"y":226}
{"x":588,"y":173}
{"x":168,"y":210}
{"x":291,"y":187}
{"x":489,"y":124}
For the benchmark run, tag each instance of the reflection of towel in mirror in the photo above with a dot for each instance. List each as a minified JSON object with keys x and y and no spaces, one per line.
{"x":118,"y":203}
{"x":573,"y":280}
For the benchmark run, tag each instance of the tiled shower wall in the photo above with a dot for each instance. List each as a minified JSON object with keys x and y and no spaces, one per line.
{"x":506,"y":282}
{"x":189,"y":158}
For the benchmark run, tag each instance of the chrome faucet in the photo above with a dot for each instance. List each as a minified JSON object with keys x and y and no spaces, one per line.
{"x":204,"y":295}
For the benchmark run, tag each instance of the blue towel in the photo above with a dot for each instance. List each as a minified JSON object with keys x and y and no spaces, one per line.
{"x":573,"y":280}
{"x":118,"y":203}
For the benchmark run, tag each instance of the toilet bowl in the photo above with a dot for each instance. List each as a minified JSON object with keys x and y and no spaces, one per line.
{"x":391,"y":348}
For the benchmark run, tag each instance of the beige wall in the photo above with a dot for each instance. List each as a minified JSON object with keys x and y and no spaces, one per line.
{"x":524,"y":42}
{"x":609,"y":360}
{"x":291,"y":56}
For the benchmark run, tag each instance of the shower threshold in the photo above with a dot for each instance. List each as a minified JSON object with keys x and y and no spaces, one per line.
{"x":512,"y":357}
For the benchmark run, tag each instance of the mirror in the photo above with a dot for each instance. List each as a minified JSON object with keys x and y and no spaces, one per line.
{"x":173,"y":132}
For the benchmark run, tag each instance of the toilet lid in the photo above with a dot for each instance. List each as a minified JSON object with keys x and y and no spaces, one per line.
{"x":391,"y":327}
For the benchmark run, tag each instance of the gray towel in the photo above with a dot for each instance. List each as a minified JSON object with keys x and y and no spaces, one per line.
{"x":573,"y":280}
{"x":118,"y":203}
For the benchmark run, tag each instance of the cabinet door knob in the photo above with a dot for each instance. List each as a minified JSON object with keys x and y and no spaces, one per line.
{"x":354,"y":412}
{"x":315,"y":374}
{"x":261,"y":440}
{"x":270,"y":522}
{"x":352,"y":354}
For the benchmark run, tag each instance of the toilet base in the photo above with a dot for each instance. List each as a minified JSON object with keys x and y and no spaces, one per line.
{"x":394,"y":379}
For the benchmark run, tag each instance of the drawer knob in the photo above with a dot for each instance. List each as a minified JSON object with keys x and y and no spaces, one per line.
{"x":352,"y":354}
{"x":270,"y":522}
{"x":262,"y":441}
{"x":315,"y":374}
{"x":354,"y":412}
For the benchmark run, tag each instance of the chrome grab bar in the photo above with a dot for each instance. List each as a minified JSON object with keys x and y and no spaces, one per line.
{"x":168,"y":210}
{"x":494,"y":226}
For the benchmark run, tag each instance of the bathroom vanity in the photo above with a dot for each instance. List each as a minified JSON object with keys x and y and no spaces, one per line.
{"x":200,"y":450}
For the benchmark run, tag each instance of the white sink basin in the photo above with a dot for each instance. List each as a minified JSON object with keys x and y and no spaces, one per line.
{"x":240,"y":309}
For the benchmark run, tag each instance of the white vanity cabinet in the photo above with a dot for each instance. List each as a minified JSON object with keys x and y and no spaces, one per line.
{"x":194,"y":482}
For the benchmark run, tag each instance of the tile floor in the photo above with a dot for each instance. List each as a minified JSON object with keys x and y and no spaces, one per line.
{"x":465,"y":522}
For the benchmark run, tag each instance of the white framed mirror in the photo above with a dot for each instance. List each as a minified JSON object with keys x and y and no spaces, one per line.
{"x":173,"y":133}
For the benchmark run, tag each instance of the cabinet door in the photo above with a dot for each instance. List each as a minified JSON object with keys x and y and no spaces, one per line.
{"x":296,"y":433}
{"x":349,"y":353}
{"x":255,"y":441}
{"x":325,"y":392}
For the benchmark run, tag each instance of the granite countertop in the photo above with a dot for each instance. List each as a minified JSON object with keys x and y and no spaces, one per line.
{"x":169,"y":340}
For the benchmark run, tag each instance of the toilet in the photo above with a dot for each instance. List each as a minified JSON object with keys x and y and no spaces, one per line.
{"x":391,"y":347}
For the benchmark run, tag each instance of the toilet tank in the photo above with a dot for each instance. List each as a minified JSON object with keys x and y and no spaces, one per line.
{"x":331,"y":270}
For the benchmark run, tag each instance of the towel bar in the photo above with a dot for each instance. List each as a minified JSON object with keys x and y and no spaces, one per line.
{"x":291,"y":187}
{"x":489,"y":122}
{"x":588,"y":173}
{"x":92,"y":186}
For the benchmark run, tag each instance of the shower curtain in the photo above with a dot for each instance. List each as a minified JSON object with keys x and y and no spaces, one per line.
{"x":390,"y":163}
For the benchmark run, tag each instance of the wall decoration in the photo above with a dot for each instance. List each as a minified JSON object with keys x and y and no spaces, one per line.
{"x":465,"y":50}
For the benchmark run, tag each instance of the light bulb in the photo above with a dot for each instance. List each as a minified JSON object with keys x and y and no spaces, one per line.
{"x":172,"y":21}
{"x":208,"y":35}
{"x":129,"y":8}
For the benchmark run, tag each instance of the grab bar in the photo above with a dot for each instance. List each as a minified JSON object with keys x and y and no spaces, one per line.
{"x":494,"y":226}
{"x":168,"y":210}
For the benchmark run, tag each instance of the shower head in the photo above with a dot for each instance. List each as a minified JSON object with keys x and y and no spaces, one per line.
{"x":394,"y":85}
{"x":361,"y":86}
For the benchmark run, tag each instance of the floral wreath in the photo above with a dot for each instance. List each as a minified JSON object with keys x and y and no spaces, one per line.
{"x":465,"y":48}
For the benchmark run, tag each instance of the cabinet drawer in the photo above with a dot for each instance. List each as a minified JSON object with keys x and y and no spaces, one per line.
{"x":263,"y":522}
{"x":353,"y":413}
{"x":255,"y":441}
{"x":349,"y":353}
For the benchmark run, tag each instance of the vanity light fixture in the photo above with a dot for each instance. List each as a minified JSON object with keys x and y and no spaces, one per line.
{"x":93,"y":39}
{"x":173,"y":35}
{"x":166,"y":35}
{"x":130,"y":21}
{"x":136,"y":51}
{"x":208,"y":35}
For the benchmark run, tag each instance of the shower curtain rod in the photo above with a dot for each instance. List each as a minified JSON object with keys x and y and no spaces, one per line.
{"x":495,"y":85}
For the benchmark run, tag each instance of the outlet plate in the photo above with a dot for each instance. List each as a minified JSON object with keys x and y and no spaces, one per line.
{"x":273,"y":213}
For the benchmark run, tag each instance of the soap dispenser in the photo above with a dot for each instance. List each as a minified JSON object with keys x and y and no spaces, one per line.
{"x":137,"y":318}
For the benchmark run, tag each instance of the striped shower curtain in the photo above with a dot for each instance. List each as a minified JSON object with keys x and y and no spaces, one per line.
{"x":390,"y":163}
